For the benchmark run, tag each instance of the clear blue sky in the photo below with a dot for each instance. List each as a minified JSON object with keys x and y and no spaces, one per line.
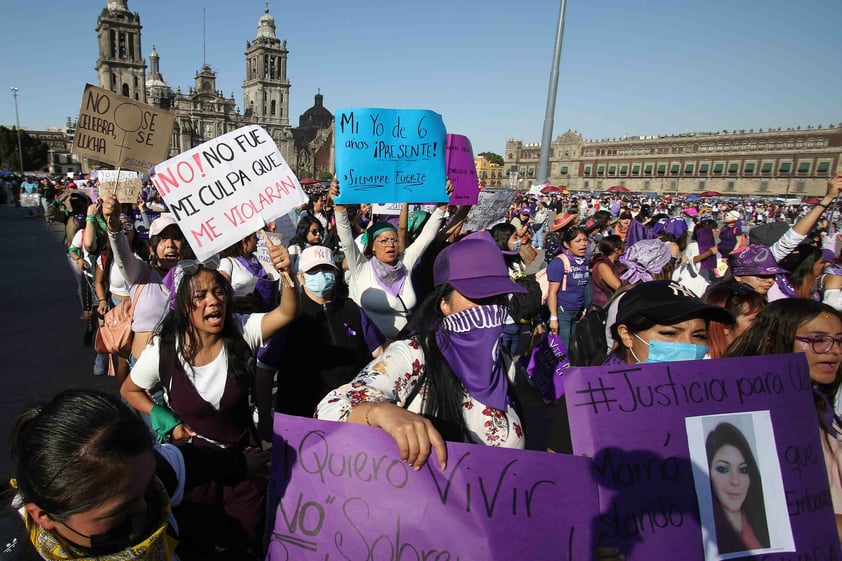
{"x":628,"y":67}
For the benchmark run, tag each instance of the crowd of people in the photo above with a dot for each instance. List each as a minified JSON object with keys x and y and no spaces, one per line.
{"x":407,"y":323}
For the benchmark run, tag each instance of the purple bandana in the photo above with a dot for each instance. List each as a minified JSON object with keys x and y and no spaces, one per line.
{"x":470,"y":342}
{"x":389,"y":277}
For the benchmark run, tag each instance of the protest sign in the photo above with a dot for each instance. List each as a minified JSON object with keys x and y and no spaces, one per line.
{"x":390,"y":155}
{"x":394,"y":209}
{"x":262,"y":252}
{"x":490,"y":209}
{"x":121,"y":131}
{"x":658,"y":499}
{"x":341,"y":491}
{"x":127,"y":188}
{"x":227,"y":188}
{"x":461,"y":170}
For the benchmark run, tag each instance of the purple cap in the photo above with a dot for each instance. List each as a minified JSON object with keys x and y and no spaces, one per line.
{"x":474,"y":266}
{"x":828,"y":255}
{"x":526,"y":211}
{"x":754,"y":260}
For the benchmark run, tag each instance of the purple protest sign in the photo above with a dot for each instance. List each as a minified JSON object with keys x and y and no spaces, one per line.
{"x":461,"y":170}
{"x":341,"y":491}
{"x":660,"y":435}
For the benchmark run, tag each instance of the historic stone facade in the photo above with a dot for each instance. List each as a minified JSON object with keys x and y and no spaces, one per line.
{"x":772,"y":162}
{"x":204,"y":112}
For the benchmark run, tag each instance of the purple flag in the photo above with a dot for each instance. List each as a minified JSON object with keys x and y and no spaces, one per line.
{"x":650,"y":428}
{"x":341,"y":491}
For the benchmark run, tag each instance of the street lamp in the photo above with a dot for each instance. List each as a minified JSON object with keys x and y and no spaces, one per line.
{"x":17,"y":120}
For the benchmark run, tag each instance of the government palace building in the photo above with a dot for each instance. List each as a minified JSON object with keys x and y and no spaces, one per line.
{"x":764,"y":162}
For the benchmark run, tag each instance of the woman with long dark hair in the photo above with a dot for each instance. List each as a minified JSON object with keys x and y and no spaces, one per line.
{"x":804,"y":265}
{"x":801,"y":325}
{"x":308,"y":232}
{"x":739,"y":511}
{"x":447,"y":380}
{"x":201,"y":356}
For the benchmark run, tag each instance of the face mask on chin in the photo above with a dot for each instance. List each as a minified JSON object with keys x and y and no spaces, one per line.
{"x":667,"y":351}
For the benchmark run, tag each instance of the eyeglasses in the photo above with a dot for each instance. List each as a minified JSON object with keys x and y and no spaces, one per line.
{"x":315,"y":232}
{"x":821,"y":344}
{"x":387,"y":241}
{"x":127,"y":227}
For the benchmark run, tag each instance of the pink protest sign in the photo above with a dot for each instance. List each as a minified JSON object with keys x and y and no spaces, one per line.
{"x":680,"y":447}
{"x":461,"y":170}
{"x":341,"y":491}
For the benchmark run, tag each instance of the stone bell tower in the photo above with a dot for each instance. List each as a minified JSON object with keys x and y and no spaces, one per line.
{"x":120,"y":66}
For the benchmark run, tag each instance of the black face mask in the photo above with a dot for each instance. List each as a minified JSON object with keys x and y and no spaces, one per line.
{"x":132,"y":530}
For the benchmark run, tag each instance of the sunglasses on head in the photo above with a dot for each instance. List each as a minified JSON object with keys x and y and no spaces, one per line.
{"x":191,"y":266}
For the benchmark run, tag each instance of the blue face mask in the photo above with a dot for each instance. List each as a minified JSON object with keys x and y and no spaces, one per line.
{"x":517,"y":245}
{"x":320,"y":283}
{"x":666,"y":351}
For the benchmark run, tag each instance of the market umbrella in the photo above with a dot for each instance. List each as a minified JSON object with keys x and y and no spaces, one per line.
{"x":811,"y":200}
{"x":551,"y":189}
{"x":710,"y":194}
{"x":617,"y":189}
{"x":307,"y":181}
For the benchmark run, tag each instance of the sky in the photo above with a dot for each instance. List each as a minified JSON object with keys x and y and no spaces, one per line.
{"x":628,"y":67}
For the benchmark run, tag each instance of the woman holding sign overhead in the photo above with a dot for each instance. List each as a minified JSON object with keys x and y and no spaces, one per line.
{"x":380,"y":275}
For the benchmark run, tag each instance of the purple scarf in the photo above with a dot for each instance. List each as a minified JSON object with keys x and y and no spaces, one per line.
{"x":637,"y":232}
{"x":704,"y":237}
{"x":389,"y":277}
{"x":470,"y":342}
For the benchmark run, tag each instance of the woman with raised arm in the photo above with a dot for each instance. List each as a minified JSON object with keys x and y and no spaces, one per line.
{"x":380,"y":275}
{"x":201,"y":356}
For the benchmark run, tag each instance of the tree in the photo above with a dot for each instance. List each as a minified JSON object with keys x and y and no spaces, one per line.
{"x":34,"y":151}
{"x":492,"y":157}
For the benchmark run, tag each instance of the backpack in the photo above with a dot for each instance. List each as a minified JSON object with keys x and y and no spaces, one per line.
{"x":588,"y":343}
{"x":115,"y":335}
{"x":524,"y":307}
{"x":552,"y":245}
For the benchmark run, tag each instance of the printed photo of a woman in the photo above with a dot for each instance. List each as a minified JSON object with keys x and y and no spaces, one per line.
{"x":739,"y":510}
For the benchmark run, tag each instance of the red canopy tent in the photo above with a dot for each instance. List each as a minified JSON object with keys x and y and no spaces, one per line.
{"x":617,"y":189}
{"x":552,"y":189}
{"x":811,"y":200}
{"x":710,"y":194}
{"x":307,"y":181}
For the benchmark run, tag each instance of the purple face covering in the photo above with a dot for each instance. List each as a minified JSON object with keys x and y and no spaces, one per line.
{"x":470,"y":342}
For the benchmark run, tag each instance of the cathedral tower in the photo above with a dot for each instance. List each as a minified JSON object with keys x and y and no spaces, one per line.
{"x":120,"y":66}
{"x":266,"y":88}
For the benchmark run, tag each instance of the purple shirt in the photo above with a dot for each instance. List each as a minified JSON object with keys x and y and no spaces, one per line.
{"x":571,"y":298}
